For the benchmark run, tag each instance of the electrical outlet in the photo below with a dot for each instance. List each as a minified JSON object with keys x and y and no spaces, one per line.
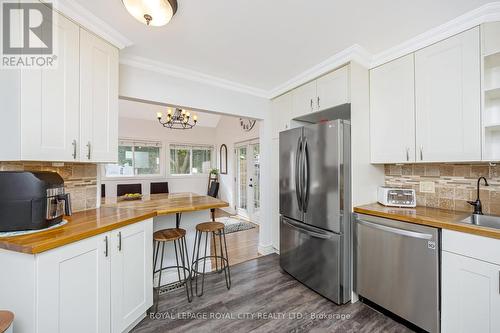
{"x":427,"y":187}
{"x":57,"y":164}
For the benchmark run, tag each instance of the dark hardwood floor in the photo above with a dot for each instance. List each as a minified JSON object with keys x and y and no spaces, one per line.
{"x":262,"y":298}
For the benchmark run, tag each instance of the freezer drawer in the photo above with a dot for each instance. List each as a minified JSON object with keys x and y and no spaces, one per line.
{"x":314,"y":257}
{"x":397,"y":267}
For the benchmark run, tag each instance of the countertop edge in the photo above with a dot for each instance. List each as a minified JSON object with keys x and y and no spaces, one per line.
{"x":427,"y":221}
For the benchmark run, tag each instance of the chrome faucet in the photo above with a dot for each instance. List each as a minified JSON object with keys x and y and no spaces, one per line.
{"x":478,"y":207}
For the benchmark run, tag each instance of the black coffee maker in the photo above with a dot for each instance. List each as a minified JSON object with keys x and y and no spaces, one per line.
{"x":32,"y":200}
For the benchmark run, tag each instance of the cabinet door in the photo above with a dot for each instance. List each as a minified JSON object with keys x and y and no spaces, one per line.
{"x":392,"y":112}
{"x":281,"y":109}
{"x":50,"y":100}
{"x":131,"y":273}
{"x":99,"y":99}
{"x":448,"y":101}
{"x":74,"y":288}
{"x":470,"y":295}
{"x":333,"y":89}
{"x":303,"y":100}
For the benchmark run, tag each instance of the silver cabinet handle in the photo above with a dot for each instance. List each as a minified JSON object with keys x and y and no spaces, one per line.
{"x":120,"y":241}
{"x":318,"y":102}
{"x":397,"y":231}
{"x":88,"y":152}
{"x":74,"y":149}
{"x":407,"y":154}
{"x":106,"y":246}
{"x":421,"y":153}
{"x":311,"y":104}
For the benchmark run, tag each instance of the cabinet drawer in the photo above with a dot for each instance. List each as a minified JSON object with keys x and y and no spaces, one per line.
{"x":479,"y":247}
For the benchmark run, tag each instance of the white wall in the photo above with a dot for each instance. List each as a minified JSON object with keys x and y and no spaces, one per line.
{"x":229,"y":132}
{"x":151,"y":130}
{"x":149,"y":85}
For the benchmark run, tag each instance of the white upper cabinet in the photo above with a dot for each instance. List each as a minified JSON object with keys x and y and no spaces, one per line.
{"x":328,"y":91}
{"x":392,"y":112}
{"x":50,"y":101}
{"x":281,"y":108}
{"x":304,"y":99}
{"x":448,"y":102}
{"x":98,"y":99}
{"x":333,"y":89}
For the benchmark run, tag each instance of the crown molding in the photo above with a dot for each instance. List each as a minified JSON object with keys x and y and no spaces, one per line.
{"x":187,"y":74}
{"x":87,"y":19}
{"x":352,"y":53}
{"x":486,"y":13}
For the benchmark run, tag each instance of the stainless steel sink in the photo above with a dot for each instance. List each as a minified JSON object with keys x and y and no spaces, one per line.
{"x":483,"y":220}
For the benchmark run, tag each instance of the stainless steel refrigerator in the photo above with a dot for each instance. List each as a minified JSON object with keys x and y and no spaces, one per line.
{"x":315,"y":207}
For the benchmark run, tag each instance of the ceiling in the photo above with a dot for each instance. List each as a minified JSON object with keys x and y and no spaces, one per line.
{"x":146,"y":111}
{"x":264,"y":43}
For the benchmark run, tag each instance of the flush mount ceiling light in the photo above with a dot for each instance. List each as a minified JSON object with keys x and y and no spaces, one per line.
{"x":152,"y":12}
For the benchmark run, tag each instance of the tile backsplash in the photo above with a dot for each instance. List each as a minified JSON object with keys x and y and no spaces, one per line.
{"x":454,"y":184}
{"x":80,"y":180}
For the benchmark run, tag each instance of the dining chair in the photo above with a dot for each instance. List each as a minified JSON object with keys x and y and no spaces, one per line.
{"x":122,"y":189}
{"x":161,"y":187}
{"x":213,"y":191}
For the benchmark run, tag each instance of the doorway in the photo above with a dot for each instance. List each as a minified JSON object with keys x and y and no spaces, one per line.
{"x":247,"y":163}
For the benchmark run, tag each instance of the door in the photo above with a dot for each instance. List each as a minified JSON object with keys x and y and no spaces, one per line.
{"x":312,"y":256}
{"x":131,"y":274}
{"x":448,"y":99}
{"x":99,"y":99}
{"x":333,"y":89}
{"x":304,"y":99}
{"x":50,"y":101}
{"x":397,"y":267}
{"x":290,"y":148}
{"x":470,"y":295}
{"x":323,"y":196}
{"x":74,"y":287}
{"x":248,"y":180}
{"x":392,"y":111}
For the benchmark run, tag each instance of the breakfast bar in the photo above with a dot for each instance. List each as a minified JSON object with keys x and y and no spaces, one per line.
{"x":100,"y":259}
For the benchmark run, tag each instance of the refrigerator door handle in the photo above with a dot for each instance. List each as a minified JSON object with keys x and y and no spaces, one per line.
{"x":308,"y":230}
{"x":298,"y":186}
{"x":306,"y":177}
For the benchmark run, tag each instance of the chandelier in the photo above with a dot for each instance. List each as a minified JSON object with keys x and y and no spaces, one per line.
{"x":177,"y":119}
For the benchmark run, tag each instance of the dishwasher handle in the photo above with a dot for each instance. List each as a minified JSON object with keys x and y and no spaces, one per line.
{"x":308,"y":230}
{"x":401,"y":232}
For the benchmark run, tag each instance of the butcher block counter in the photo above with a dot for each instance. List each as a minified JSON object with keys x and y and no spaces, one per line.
{"x":113,"y":214}
{"x":434,"y":217}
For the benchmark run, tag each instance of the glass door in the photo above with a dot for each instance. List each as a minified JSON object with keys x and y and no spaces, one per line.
{"x":248,"y":180}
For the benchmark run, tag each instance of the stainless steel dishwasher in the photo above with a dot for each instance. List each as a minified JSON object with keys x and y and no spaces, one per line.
{"x":397,"y":267}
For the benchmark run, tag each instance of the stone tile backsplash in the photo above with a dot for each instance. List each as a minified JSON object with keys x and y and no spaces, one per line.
{"x":80,"y":179}
{"x":454,"y":184}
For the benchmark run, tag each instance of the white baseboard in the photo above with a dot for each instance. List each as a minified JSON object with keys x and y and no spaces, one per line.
{"x":266,"y":249}
{"x":229,"y":210}
{"x":135,"y":323}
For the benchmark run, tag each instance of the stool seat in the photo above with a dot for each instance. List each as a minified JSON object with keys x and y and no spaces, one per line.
{"x":209,"y":226}
{"x":167,"y":235}
{"x":6,"y":319}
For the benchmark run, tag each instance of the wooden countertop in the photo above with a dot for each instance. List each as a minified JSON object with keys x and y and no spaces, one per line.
{"x":169,"y":203}
{"x":112,"y":215}
{"x":434,"y":217}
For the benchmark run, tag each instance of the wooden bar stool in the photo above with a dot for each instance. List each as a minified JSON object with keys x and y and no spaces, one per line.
{"x":178,"y":237}
{"x":216,"y":229}
{"x":6,"y":320}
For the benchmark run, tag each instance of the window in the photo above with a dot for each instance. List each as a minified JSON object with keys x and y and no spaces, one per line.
{"x":190,"y":160}
{"x":136,"y":159}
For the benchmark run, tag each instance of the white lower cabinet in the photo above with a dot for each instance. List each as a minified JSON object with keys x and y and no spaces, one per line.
{"x":131,"y":274}
{"x":100,"y":284}
{"x":470,"y":286}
